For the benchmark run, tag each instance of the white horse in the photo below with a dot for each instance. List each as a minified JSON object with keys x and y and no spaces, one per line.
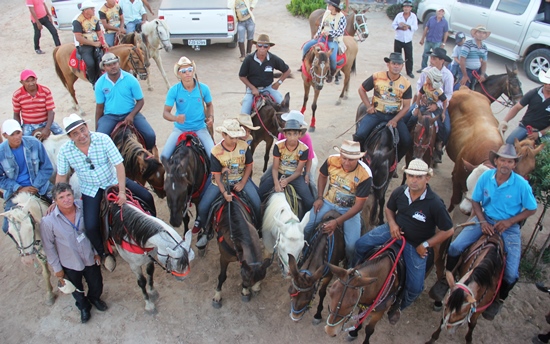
{"x":157,"y":36}
{"x":141,"y":239}
{"x":24,"y":221}
{"x":466,"y":204}
{"x":52,"y":145}
{"x":282,"y":231}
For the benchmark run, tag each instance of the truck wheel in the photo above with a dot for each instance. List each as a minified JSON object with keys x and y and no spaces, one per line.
{"x":428,"y":16}
{"x":233,"y":44}
{"x":537,"y":61}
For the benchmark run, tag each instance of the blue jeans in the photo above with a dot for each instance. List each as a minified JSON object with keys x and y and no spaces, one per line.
{"x":170,"y":145}
{"x":29,"y":128}
{"x":519,"y":133}
{"x":7,"y":206}
{"x":246,"y":27}
{"x":249,"y":98}
{"x":370,"y":121}
{"x":415,"y":265}
{"x":444,"y":128}
{"x":428,"y":46}
{"x":470,"y":76}
{"x":352,"y":227}
{"x":110,"y":38}
{"x":131,"y":26}
{"x":107,"y":123}
{"x":331,"y":45}
{"x":212,"y":191}
{"x":512,"y":246}
{"x":299,"y":184}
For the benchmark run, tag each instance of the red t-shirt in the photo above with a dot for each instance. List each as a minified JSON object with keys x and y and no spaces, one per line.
{"x":34,"y":110}
{"x":38,"y":8}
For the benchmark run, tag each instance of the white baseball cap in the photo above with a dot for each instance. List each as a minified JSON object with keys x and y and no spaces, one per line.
{"x":10,"y":126}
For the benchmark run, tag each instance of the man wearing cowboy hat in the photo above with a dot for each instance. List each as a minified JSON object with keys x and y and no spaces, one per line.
{"x":537,"y":115}
{"x":89,"y":39}
{"x":24,"y":166}
{"x":98,"y":164}
{"x":436,"y":31}
{"x":473,"y":57}
{"x":390,"y":102}
{"x":70,"y":252}
{"x":257,"y":73}
{"x":413,"y":212}
{"x":405,"y":24}
{"x":501,"y":200}
{"x":349,"y":183}
{"x":118,"y":98}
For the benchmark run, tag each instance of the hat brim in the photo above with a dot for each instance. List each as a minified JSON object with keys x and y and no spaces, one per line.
{"x":251,"y":127}
{"x":417,"y":172}
{"x":388,"y":60}
{"x":232,"y":133}
{"x":354,"y":156}
{"x":446,"y":58}
{"x":75,"y":125}
{"x":270,"y":44}
{"x":282,"y":130}
{"x":473,"y":31}
{"x":493,"y":155}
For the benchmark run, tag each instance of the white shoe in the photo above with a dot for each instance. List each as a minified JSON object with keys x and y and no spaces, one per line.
{"x":201,"y":243}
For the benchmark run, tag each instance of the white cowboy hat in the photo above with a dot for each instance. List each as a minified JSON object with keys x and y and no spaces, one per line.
{"x":184,"y":61}
{"x":418,"y":167}
{"x":86,"y":4}
{"x":72,"y":122}
{"x":296,"y":115}
{"x":68,"y":287}
{"x":544,"y":77}
{"x":231,"y":127}
{"x":245,"y":120}
{"x":10,"y":126}
{"x":350,"y":149}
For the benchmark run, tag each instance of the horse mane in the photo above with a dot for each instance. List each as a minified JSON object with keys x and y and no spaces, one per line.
{"x":456,"y":300}
{"x":132,"y":222}
{"x":181,"y":165}
{"x":239,"y":228}
{"x":489,"y":265}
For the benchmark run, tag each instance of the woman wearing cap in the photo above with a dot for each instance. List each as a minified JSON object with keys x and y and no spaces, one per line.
{"x":233,"y":155}
{"x":331,"y":31}
{"x":289,"y":159}
{"x":194,"y":108}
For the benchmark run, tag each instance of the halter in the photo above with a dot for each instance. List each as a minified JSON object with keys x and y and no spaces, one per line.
{"x":35,"y":244}
{"x":362,"y":28}
{"x":317,"y":79}
{"x":473,"y":308}
{"x":420,"y":143}
{"x":508,"y":103}
{"x":135,"y":62}
{"x":336,"y":313}
{"x":160,"y":37}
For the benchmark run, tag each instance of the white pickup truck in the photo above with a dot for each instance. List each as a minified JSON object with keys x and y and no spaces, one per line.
{"x":198,"y":23}
{"x":518,"y":28}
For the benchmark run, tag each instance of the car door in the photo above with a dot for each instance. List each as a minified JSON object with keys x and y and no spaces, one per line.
{"x":468,"y":14}
{"x":508,"y":23}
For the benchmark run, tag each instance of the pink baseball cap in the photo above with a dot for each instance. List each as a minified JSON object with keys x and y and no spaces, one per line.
{"x":27,"y":73}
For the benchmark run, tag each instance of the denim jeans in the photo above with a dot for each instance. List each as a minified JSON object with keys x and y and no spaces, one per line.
{"x":299,"y":184}
{"x":45,"y":21}
{"x":352,"y":227}
{"x":107,"y":123}
{"x":248,"y":99}
{"x":512,"y":246}
{"x":519,"y":133}
{"x":212,"y":191}
{"x":415,"y":265}
{"x":444,"y":130}
{"x":7,"y":206}
{"x":131,"y":26}
{"x":331,"y":45}
{"x":171,"y":141}
{"x":246,"y":27}
{"x":110,"y":38}
{"x":428,"y":47}
{"x":370,"y":121}
{"x":29,"y":128}
{"x":470,"y":76}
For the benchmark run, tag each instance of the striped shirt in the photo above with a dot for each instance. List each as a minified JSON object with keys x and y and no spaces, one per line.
{"x":473,"y":54}
{"x":102,"y":154}
{"x":34,"y":110}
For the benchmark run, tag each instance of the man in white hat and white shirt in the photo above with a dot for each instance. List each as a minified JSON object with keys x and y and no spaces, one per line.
{"x":24,"y":166}
{"x":413,"y":212}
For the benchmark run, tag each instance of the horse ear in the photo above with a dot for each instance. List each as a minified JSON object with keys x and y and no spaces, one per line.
{"x":164,"y":161}
{"x":292,"y":267}
{"x":171,"y":252}
{"x":318,"y":273}
{"x":468,"y":166}
{"x":433,"y":119}
{"x":286,"y":101}
{"x":450,"y":279}
{"x":305,"y":221}
{"x":508,"y":71}
{"x":188,"y":238}
{"x":538,"y":149}
{"x":337,"y":271}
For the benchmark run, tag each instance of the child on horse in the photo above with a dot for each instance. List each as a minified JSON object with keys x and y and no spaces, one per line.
{"x":289,"y":159}
{"x":331,"y":32}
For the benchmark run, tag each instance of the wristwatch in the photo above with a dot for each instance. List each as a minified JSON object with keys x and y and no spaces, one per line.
{"x":540,"y":133}
{"x":425,"y":244}
{"x":280,"y":82}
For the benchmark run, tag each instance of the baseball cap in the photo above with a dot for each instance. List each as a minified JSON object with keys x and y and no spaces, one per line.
{"x":460,"y":36}
{"x":10,"y":126}
{"x":27,"y":73}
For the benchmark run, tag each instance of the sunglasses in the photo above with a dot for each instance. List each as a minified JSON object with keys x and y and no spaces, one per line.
{"x":89,"y":161}
{"x":185,"y":70}
{"x":262,"y":45}
{"x":391,"y":87}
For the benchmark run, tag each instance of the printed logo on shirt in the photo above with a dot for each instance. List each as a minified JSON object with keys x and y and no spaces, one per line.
{"x":419,"y":216}
{"x":268,"y":69}
{"x":401,"y":86}
{"x":106,"y":90}
{"x":241,"y":151}
{"x":356,"y":180}
{"x":181,"y":100}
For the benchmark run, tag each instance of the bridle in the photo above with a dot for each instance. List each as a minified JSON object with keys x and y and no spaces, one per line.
{"x":165,"y":41}
{"x":511,"y":97}
{"x":361,"y":29}
{"x":135,"y":61}
{"x":473,"y":307}
{"x":336,"y":313}
{"x":35,"y":244}
{"x":318,"y":79}
{"x":168,"y":265}
{"x":299,"y":290}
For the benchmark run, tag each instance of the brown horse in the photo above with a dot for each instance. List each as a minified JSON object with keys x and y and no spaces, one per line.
{"x":314,"y":272}
{"x":424,"y":134}
{"x":130,"y":57}
{"x":140,"y":165}
{"x":481,"y":270}
{"x":507,"y":84}
{"x":268,"y":117}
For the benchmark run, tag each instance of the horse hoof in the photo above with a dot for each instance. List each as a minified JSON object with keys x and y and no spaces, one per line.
{"x":151,"y":311}
{"x":316,"y":321}
{"x":217,"y":304}
{"x":311,"y":129}
{"x":337,"y":82}
{"x":351,"y":338}
{"x":246,"y":298}
{"x":154,"y":295}
{"x":346,"y":97}
{"x":50,"y":300}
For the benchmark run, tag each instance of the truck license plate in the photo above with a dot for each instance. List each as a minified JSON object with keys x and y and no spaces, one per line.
{"x":196,"y":42}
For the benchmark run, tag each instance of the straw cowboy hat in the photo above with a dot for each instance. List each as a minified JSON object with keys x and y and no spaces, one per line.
{"x":507,"y":151}
{"x":245,"y":120}
{"x":231,"y":127}
{"x":394,"y":57}
{"x":263,"y":38}
{"x":184,"y":61}
{"x":418,"y":167}
{"x":72,"y":122}
{"x":108,"y":59}
{"x":350,"y":149}
{"x":292,"y":124}
{"x":480,"y":28}
{"x":296,"y":115}
{"x":544,"y":77}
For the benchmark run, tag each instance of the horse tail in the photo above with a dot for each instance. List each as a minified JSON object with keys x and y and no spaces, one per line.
{"x":58,"y":69}
{"x":353,"y":67}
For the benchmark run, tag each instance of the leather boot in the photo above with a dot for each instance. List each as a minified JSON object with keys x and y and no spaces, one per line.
{"x":249,"y":46}
{"x":241,"y":49}
{"x":495,"y":307}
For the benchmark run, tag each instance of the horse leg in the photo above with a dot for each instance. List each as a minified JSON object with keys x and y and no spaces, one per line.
{"x":322,"y":293}
{"x":158,"y":61}
{"x":46,"y":274}
{"x":313,"y":109}
{"x":435,"y":335}
{"x":381,"y":203}
{"x":471,"y":326}
{"x":186,"y":220}
{"x":153,"y":293}
{"x":268,"y":144}
{"x":142,"y":282}
{"x":343,"y":94}
{"x":369,"y":329}
{"x":71,"y":79}
{"x":217,"y":300}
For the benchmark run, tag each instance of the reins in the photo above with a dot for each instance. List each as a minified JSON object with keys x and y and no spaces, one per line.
{"x":508,"y":103}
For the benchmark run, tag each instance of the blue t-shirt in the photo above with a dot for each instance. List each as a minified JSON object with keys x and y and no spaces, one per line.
{"x":120,"y":97}
{"x":23,"y":178}
{"x":189,"y":104}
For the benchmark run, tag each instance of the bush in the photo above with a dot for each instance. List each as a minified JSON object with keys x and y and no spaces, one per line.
{"x":304,"y":7}
{"x":540,"y":177}
{"x":393,"y":10}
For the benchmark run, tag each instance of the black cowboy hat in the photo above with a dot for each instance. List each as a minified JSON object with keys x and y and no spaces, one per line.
{"x":292,"y":124}
{"x":441,"y":53}
{"x":335,"y":3}
{"x":507,"y":151}
{"x":394,"y":57}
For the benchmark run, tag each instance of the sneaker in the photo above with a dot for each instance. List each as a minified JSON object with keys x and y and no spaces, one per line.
{"x":394,"y":317}
{"x":201,"y":243}
{"x":196,"y":227}
{"x":491,"y":312}
{"x":39,"y":52}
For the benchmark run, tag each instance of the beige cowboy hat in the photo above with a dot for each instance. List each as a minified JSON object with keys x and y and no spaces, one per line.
{"x":507,"y":151}
{"x":108,"y":59}
{"x":480,"y":28}
{"x":245,"y":120}
{"x":231,"y":127}
{"x":263,"y":38}
{"x":184,"y":61}
{"x":350,"y":149}
{"x":418,"y":167}
{"x":72,"y":122}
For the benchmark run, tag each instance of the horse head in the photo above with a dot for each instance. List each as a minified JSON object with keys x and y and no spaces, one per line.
{"x":159,"y":33}
{"x":459,"y":303}
{"x":153,"y":171}
{"x":513,"y":84}
{"x":527,"y":152}
{"x":360,"y":26}
{"x":176,"y":260}
{"x":290,"y":240}
{"x":424,"y":136}
{"x":253,"y":273}
{"x":22,"y":224}
{"x":319,"y":61}
{"x":302,"y":289}
{"x":179,"y":179}
{"x":140,"y":41}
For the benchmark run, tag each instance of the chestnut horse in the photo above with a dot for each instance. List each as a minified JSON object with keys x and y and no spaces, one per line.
{"x":130,"y":58}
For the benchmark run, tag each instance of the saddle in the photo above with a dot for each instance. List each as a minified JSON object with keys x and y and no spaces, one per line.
{"x":77,"y":62}
{"x":122,"y":125}
{"x":260,"y":101}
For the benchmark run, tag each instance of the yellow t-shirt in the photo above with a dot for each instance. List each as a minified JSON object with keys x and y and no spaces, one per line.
{"x":344,"y":187}
{"x":289,"y":159}
{"x":113,"y":16}
{"x":388,"y":94}
{"x":235,"y":160}
{"x":88,"y":27}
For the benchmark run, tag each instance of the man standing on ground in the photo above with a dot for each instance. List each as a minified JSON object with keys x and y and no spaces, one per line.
{"x":473,"y":56}
{"x":40,"y":17}
{"x":436,"y":31}
{"x":245,"y":23}
{"x":405,"y":24}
